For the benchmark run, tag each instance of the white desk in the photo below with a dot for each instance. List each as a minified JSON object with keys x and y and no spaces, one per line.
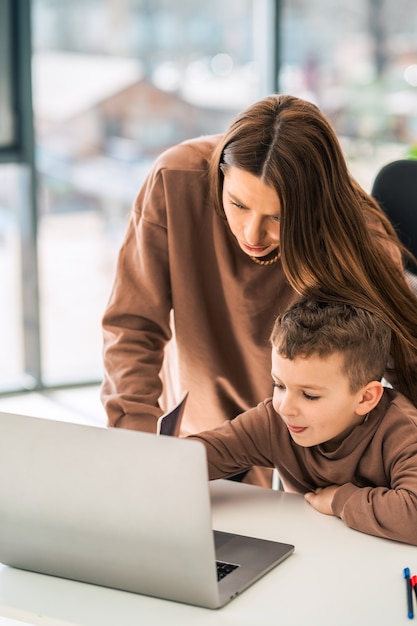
{"x":336,"y":576}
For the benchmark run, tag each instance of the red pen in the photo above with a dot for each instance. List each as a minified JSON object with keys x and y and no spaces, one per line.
{"x":413,"y":582}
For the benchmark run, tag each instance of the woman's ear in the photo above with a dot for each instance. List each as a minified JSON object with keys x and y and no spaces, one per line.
{"x":369,"y":397}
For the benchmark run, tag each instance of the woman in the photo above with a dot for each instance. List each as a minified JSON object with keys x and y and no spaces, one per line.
{"x":225,"y":234}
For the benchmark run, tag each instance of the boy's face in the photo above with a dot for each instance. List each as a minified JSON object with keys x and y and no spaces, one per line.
{"x":313,"y":398}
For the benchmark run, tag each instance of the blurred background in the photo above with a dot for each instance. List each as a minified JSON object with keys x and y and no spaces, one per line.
{"x":115,"y":82}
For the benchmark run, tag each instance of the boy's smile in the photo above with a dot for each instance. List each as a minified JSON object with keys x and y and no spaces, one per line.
{"x":313,"y":397}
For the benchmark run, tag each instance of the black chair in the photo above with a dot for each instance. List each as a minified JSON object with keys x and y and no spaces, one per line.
{"x":395,"y":189}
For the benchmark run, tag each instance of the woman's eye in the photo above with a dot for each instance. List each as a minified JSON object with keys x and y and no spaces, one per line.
{"x":276,"y":218}
{"x":277,"y":386}
{"x":310,"y":397}
{"x":237,"y":205}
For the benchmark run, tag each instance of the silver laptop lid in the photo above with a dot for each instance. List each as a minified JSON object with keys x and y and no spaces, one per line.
{"x":117,"y":508}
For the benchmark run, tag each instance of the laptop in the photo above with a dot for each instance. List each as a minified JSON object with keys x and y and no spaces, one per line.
{"x":122,"y":509}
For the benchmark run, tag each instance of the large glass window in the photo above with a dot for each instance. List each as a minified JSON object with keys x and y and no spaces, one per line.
{"x":357,"y":59}
{"x":114,"y":84}
{"x":7,"y":127}
{"x":11,"y":317}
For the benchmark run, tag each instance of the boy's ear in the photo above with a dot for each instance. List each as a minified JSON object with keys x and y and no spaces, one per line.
{"x":370,"y":396}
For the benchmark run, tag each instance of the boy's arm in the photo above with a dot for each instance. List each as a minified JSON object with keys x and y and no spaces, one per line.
{"x":380,"y":511}
{"x":322,"y":499}
{"x":389,"y":512}
{"x":238,"y":444}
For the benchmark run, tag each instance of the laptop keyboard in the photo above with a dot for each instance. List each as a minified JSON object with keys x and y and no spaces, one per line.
{"x":223,"y":569}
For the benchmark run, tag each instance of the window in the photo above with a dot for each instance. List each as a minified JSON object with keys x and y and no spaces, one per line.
{"x":114,"y":84}
{"x":357,"y":60}
{"x":11,"y":314}
{"x":7,"y":125}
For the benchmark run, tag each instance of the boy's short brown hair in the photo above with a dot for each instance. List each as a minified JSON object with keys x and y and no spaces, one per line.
{"x":313,"y":327}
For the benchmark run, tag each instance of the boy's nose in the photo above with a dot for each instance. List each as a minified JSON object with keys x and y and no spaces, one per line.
{"x":287,"y":406}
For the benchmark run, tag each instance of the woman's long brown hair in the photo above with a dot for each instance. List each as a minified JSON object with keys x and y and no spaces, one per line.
{"x":336,"y":242}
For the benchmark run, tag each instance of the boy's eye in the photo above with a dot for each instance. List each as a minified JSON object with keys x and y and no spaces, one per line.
{"x":281,"y":387}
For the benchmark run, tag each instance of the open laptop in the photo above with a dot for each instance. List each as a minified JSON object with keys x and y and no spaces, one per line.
{"x":119,"y":508}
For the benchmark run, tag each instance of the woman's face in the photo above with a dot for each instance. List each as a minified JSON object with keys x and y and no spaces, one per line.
{"x":252,"y":211}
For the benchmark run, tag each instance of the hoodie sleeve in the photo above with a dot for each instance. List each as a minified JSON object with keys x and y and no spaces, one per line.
{"x":386,"y":511}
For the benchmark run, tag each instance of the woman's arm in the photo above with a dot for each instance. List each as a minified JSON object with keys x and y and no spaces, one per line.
{"x":136,"y":321}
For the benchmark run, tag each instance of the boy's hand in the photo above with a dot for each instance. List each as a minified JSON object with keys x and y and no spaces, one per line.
{"x":322,"y":499}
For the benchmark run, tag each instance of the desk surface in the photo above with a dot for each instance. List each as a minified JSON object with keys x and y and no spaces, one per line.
{"x":336,"y":576}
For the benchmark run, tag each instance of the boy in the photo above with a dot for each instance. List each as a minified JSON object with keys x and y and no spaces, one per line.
{"x":331,"y":429}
